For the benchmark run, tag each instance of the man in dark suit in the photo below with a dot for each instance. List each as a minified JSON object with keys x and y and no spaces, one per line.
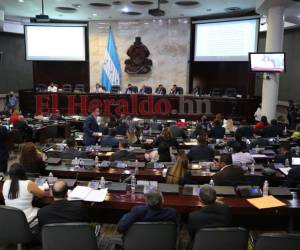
{"x":123,"y":154}
{"x":202,"y":152}
{"x":153,"y":211}
{"x":178,"y":132}
{"x":212,"y":214}
{"x":245,"y":130}
{"x":91,"y":128}
{"x":61,"y":210}
{"x":3,"y":149}
{"x":238,"y":139}
{"x":174,"y":90}
{"x":109,"y":140}
{"x":217,"y":131}
{"x":272,"y":130}
{"x":228,"y":175}
{"x":131,"y":89}
{"x":160,"y":90}
{"x":293,"y":177}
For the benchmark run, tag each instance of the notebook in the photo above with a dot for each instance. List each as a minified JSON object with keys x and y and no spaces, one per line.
{"x":88,"y":194}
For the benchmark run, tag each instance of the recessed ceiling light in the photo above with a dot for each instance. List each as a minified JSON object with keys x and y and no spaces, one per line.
{"x":21,"y":1}
{"x":76,"y":5}
{"x":94,"y":14}
{"x":125,"y":9}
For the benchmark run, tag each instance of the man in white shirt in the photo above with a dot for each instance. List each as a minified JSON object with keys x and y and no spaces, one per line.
{"x":52,"y":88}
{"x":239,"y":157}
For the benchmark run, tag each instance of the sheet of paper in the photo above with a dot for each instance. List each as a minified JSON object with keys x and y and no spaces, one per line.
{"x":259,"y":156}
{"x":266,"y":202}
{"x":97,"y":195}
{"x":80,"y":192}
{"x":285,"y":171}
{"x":109,"y":153}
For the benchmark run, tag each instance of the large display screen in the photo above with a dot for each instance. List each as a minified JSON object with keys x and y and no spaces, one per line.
{"x":267,"y":62}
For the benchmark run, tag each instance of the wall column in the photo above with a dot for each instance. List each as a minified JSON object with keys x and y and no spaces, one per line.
{"x":274,"y":43}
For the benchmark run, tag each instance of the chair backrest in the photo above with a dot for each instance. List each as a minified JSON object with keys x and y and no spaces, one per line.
{"x":134,"y":89}
{"x":67,"y":87}
{"x":41,"y":87}
{"x":75,"y":236}
{"x":180,"y":90}
{"x":216,"y":92}
{"x":148,"y":90}
{"x":230,"y":92}
{"x":278,"y":242}
{"x":115,"y":89}
{"x":221,"y":238}
{"x":79,"y":87}
{"x":150,"y":236}
{"x":14,"y":227}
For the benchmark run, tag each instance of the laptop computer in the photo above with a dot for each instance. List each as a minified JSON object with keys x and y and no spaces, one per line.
{"x":193,"y":190}
{"x":117,"y":187}
{"x":168,"y":188}
{"x":295,"y":161}
{"x":225,"y":190}
{"x":53,"y":161}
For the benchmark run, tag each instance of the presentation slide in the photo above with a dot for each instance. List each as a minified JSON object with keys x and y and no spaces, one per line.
{"x":267,"y":62}
{"x":55,"y":43}
{"x":226,"y":41}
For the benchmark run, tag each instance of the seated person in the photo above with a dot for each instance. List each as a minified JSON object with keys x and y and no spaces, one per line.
{"x":61,"y":210}
{"x":228,"y":175}
{"x":239,"y":139}
{"x":15,"y":117}
{"x":271,"y":130}
{"x":153,"y":211}
{"x":166,"y":136}
{"x":217,"y":131}
{"x":18,"y":191}
{"x":25,"y":131}
{"x":181,"y":123}
{"x":109,"y":140}
{"x":52,"y":87}
{"x":4,"y":153}
{"x":131,"y":89}
{"x":283,"y":154}
{"x":11,"y":102}
{"x":178,"y":132}
{"x":31,"y":159}
{"x":99,"y":88}
{"x":160,"y":90}
{"x":212,"y":213}
{"x":263,"y":123}
{"x":71,"y":148}
{"x":143,"y":90}
{"x":296,"y":133}
{"x":132,"y":137}
{"x":164,"y":154}
{"x":179,"y":173}
{"x":123,"y":154}
{"x":201,"y":152}
{"x":229,"y":127}
{"x":245,"y":130}
{"x":121,"y":128}
{"x":239,"y":157}
{"x":174,"y":90}
{"x":197,"y":91}
{"x":281,"y":124}
{"x":258,"y":140}
{"x":293,"y":178}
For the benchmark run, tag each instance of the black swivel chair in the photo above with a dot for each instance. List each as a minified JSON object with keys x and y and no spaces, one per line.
{"x":148,"y":90}
{"x":63,"y":236}
{"x":271,"y":241}
{"x":221,"y":238}
{"x":14,"y":228}
{"x":79,"y":87}
{"x":67,"y":87}
{"x":41,"y":87}
{"x":216,"y":92}
{"x":179,"y":90}
{"x":115,"y":89}
{"x":151,"y":236}
{"x":231,"y":92}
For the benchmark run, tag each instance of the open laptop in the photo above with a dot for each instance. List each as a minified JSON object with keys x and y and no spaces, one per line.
{"x":295,"y":161}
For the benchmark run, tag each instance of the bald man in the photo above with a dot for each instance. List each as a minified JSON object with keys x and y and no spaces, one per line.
{"x":61,"y":210}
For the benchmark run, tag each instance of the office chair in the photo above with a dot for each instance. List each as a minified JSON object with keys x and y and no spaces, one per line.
{"x":41,"y":87}
{"x":231,"y":92}
{"x":221,"y":238}
{"x":179,"y":90}
{"x":115,"y":89}
{"x":79,"y":87}
{"x":150,"y":236}
{"x":67,"y":87}
{"x":216,"y":92}
{"x":134,"y":89}
{"x":14,"y":227}
{"x":62,"y":236}
{"x":271,"y":241}
{"x":148,"y":90}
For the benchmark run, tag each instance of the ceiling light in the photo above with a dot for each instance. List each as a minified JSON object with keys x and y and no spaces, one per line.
{"x":94,"y":14}
{"x":21,"y":1}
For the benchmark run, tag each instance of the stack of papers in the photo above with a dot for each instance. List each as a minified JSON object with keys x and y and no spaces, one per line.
{"x":88,"y":194}
{"x":266,"y":202}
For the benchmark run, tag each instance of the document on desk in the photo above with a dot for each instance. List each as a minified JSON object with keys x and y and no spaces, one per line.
{"x":88,"y":194}
{"x":266,"y":202}
{"x":285,"y":170}
{"x":259,"y":156}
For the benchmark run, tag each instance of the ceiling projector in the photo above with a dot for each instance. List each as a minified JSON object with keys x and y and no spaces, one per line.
{"x":156,"y":12}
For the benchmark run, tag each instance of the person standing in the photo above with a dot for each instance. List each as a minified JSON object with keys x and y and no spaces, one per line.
{"x":91,"y":128}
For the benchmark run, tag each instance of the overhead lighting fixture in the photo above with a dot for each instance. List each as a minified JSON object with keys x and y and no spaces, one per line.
{"x":125,"y":9}
{"x":21,"y":1}
{"x":94,"y":14}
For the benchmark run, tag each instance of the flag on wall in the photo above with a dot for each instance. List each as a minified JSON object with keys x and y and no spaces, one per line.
{"x":111,"y":70}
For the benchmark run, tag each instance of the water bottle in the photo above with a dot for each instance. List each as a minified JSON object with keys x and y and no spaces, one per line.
{"x":252,"y":169}
{"x":266,"y":188}
{"x":136,"y":170}
{"x":211,"y":183}
{"x":50,"y":179}
{"x":76,"y":162}
{"x":285,"y":131}
{"x":287,"y":162}
{"x":102,"y":182}
{"x":133,"y":182}
{"x":257,"y":149}
{"x":96,"y":160}
{"x":199,"y":165}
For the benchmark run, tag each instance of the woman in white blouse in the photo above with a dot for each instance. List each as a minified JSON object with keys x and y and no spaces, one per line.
{"x":18,"y":192}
